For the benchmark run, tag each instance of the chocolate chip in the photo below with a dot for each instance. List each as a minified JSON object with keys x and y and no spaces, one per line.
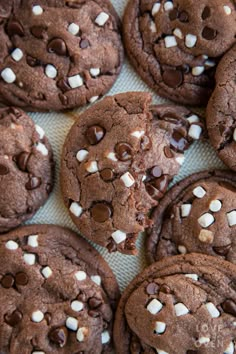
{"x":58,"y":46}
{"x":183,"y":16}
{"x":22,"y":160}
{"x":101,"y":212}
{"x":165,"y":289}
{"x":4,"y":170}
{"x":94,"y":303}
{"x":48,"y":318}
{"x":174,"y":14}
{"x":229,"y":306}
{"x":14,"y":27}
{"x":123,"y":151}
{"x":93,"y":313}
{"x":172,"y":78}
{"x":84,"y":43}
{"x":14,"y":318}
{"x":209,"y":33}
{"x":33,"y":183}
{"x":130,"y":244}
{"x":191,"y":352}
{"x":33,"y":61}
{"x":21,"y":278}
{"x":7,"y":281}
{"x":185,"y":68}
{"x":161,"y":183}
{"x":107,"y":174}
{"x":153,"y":192}
{"x":223,"y":250}
{"x":38,"y":31}
{"x":156,"y":171}
{"x":168,"y":153}
{"x":63,"y":84}
{"x":152,"y":289}
{"x":112,"y":247}
{"x":95,"y":134}
{"x":59,"y":336}
{"x":206,"y":13}
{"x":178,"y":141}
{"x":82,"y":297}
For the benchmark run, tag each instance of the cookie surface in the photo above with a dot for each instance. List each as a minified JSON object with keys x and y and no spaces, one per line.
{"x":221,"y":111}
{"x":197,"y":215}
{"x":57,"y":293}
{"x":57,"y":54}
{"x":26,"y":168}
{"x":117,"y":162}
{"x":175,"y":45}
{"x":183,"y":304}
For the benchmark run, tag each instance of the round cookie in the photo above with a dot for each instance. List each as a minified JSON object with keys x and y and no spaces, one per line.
{"x":221,"y":111}
{"x":197,"y":215}
{"x":181,"y":305}
{"x":175,"y":45}
{"x":58,"y":54}
{"x":26,"y":168}
{"x":117,"y":162}
{"x":58,"y":295}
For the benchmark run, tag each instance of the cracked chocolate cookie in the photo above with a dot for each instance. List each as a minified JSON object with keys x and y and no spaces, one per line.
{"x":57,"y":293}
{"x":175,"y":45}
{"x":197,"y":215}
{"x":181,"y":305}
{"x":221,"y":117}
{"x":26,"y":168}
{"x":117,"y":162}
{"x":57,"y":54}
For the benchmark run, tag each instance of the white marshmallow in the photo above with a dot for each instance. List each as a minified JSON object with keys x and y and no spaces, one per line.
{"x":168,"y":5}
{"x":210,"y":63}
{"x":181,"y":309}
{"x":11,"y":245}
{"x":193,"y":119}
{"x":29,"y":258}
{"x":51,"y":71}
{"x":231,"y":218}
{"x":81,"y":333}
{"x":234,"y":136}
{"x":77,"y":306}
{"x":105,"y":337}
{"x":159,"y":351}
{"x":215,"y":206}
{"x":206,"y":236}
{"x":195,"y":131}
{"x":33,"y":241}
{"x":153,"y":27}
{"x":199,"y":192}
{"x":190,"y":40}
{"x":93,"y":99}
{"x":40,"y":131}
{"x":75,"y":81}
{"x":170,"y":41}
{"x":111,"y":156}
{"x":38,"y":352}
{"x":138,"y":134}
{"x":203,"y":340}
{"x":80,"y":275}
{"x":128,"y":179}
{"x":206,"y":220}
{"x":94,"y":71}
{"x":192,"y":276}
{"x":212,"y":310}
{"x":160,"y":327}
{"x":118,"y":236}
{"x":185,"y":210}
{"x":42,"y":148}
{"x":182,"y":249}
{"x":178,"y":33}
{"x":180,"y":160}
{"x":73,"y":29}
{"x":156,"y":8}
{"x":17,"y":54}
{"x":37,"y":316}
{"x":81,"y":155}
{"x":72,"y":323}
{"x":154,"y":306}
{"x":92,"y":167}
{"x":76,"y":209}
{"x":47,"y":272}
{"x":37,"y":10}
{"x":8,"y":75}
{"x":198,"y":70}
{"x":101,"y":19}
{"x":96,"y":279}
{"x":227,"y":10}
{"x":229,"y":349}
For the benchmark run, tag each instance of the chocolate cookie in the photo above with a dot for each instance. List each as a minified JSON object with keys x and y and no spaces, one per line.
{"x":175,"y":45}
{"x":57,"y":293}
{"x":26,"y":168}
{"x":117,"y":162}
{"x":181,"y":305}
{"x":221,"y":117}
{"x":197,"y":215}
{"x":57,"y":54}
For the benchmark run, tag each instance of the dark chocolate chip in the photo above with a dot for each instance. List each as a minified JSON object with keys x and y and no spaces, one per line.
{"x":123,"y":151}
{"x":4,"y":170}
{"x":206,"y":13}
{"x":112,"y":247}
{"x":165,"y":289}
{"x":93,"y":313}
{"x":95,"y":134}
{"x":7,"y":281}
{"x":178,"y":141}
{"x":229,"y":306}
{"x":38,"y":31}
{"x":14,"y":27}
{"x":107,"y":175}
{"x":173,"y":78}
{"x":82,"y":297}
{"x":94,"y":303}
{"x":22,"y":160}
{"x":48,"y":318}
{"x":153,"y":192}
{"x":130,"y":244}
{"x":185,"y":68}
{"x":33,"y":61}
{"x":191,"y":352}
{"x":101,"y":212}
{"x":156,"y":171}
{"x":183,"y":16}
{"x":63,"y":84}
{"x":152,"y":289}
{"x":168,"y":153}
{"x":59,"y":336}
{"x":21,"y":278}
{"x":161,"y":183}
{"x":58,"y":46}
{"x":209,"y":33}
{"x":173,"y":15}
{"x":33,"y":183}
{"x":14,"y":318}
{"x":84,"y":43}
{"x":223,"y":250}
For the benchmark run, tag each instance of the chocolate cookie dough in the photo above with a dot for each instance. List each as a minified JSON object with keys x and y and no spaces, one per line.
{"x":181,"y":305}
{"x":197,"y":215}
{"x":57,"y":293}
{"x":175,"y":45}
{"x":57,"y":54}
{"x":26,"y":168}
{"x":117,"y":162}
{"x":221,"y":115}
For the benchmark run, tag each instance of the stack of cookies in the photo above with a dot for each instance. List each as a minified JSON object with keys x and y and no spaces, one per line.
{"x":58,"y":295}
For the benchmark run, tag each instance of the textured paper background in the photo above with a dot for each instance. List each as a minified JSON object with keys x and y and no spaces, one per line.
{"x":56,"y":125}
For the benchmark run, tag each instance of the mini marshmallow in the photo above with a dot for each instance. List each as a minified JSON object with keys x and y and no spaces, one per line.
{"x":227,"y":10}
{"x":81,"y":333}
{"x":156,"y":8}
{"x":229,"y":349}
{"x":195,"y":131}
{"x":203,"y":340}
{"x":206,"y":220}
{"x":37,"y":10}
{"x":199,"y":192}
{"x":206,"y":236}
{"x":42,"y":148}
{"x":101,"y":19}
{"x":81,"y":155}
{"x":47,"y":272}
{"x":94,"y":71}
{"x":231,"y":218}
{"x":51,"y":71}
{"x":128,"y":179}
{"x":170,"y":41}
{"x":76,"y":209}
{"x":96,"y":279}
{"x":160,"y":327}
{"x":234,"y":136}
{"x":92,"y":167}
{"x":105,"y":337}
{"x":29,"y":258}
{"x":178,"y":33}
{"x":153,"y":27}
{"x":181,"y":309}
{"x":37,"y":316}
{"x":111,"y":156}
{"x":182,"y":249}
{"x":168,"y":5}
{"x":38,"y":352}
{"x":77,"y":306}
{"x":144,"y":178}
{"x":190,"y":40}
{"x":192,"y":276}
{"x":73,"y":29}
{"x":93,"y":99}
{"x":180,"y":160}
{"x":33,"y":241}
{"x":198,"y":70}
{"x":215,"y":206}
{"x":11,"y":245}
{"x":185,"y":210}
{"x":80,"y":275}
{"x":212,"y":310}
{"x":118,"y":236}
{"x":40,"y":131}
{"x":8,"y":75}
{"x":210,"y":63}
{"x":17,"y":54}
{"x":154,"y":306}
{"x":72,"y":323}
{"x":138,"y":134}
{"x":193,"y":119}
{"x":159,"y":351}
{"x":75,"y":81}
